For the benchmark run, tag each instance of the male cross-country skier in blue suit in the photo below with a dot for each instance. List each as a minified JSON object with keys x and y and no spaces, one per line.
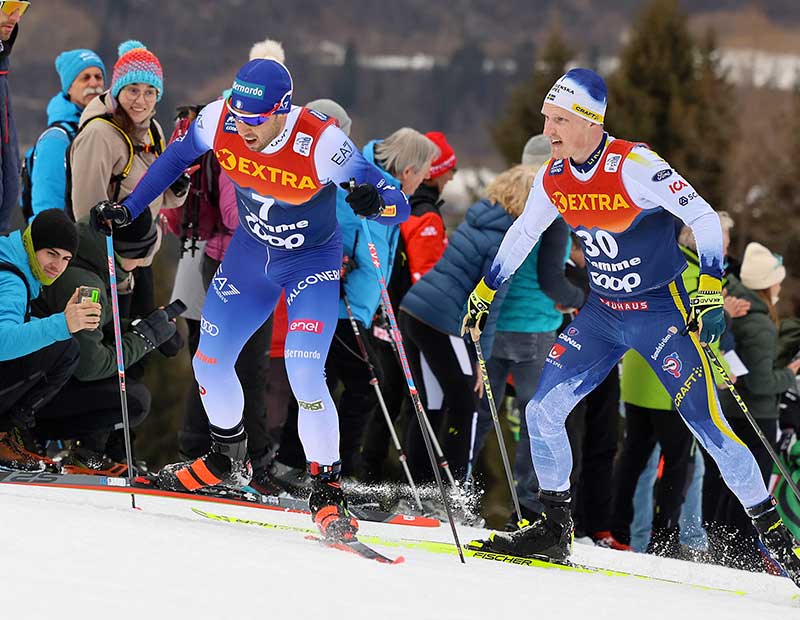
{"x":285,"y":162}
{"x":620,"y":198}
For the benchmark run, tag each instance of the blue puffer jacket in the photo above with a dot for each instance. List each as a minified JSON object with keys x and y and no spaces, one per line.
{"x":361,"y":284}
{"x":18,"y":338}
{"x":439,"y":297}
{"x":9,"y":149}
{"x":49,"y":178}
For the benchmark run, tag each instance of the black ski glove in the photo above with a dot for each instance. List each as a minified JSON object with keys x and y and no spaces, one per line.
{"x":364,"y":200}
{"x":181,"y":185}
{"x":155,"y":330}
{"x":105,"y":212}
{"x":172,"y":347}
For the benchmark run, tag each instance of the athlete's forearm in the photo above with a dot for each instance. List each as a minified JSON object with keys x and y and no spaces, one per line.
{"x":519,"y":240}
{"x":166,"y":168}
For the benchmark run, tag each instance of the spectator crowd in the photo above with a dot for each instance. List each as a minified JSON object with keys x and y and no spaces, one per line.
{"x":640,"y":480}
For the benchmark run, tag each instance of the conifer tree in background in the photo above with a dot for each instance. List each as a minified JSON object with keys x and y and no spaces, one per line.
{"x":772,"y":219}
{"x":712,"y":123}
{"x":345,"y":86}
{"x":460,"y":88}
{"x":667,"y":92}
{"x":523,"y":117}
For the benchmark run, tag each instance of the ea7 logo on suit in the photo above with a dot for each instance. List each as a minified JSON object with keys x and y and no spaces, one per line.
{"x":224,"y":289}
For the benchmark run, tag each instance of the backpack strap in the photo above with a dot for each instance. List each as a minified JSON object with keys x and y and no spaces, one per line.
{"x":16,"y":270}
{"x":155,"y":139}
{"x":69,"y":128}
{"x":117,"y":179}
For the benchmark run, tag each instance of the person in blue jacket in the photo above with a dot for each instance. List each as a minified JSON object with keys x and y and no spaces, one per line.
{"x":430,"y":321}
{"x":82,"y":75}
{"x":37,"y":356}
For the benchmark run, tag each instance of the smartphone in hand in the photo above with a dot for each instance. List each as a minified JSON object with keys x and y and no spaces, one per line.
{"x":88,"y":293}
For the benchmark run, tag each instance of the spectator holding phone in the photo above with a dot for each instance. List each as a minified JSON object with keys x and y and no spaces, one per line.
{"x":36,"y":356}
{"x":88,"y":408}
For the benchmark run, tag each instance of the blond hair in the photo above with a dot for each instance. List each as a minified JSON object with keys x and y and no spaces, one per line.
{"x":405,"y":147}
{"x":510,"y":189}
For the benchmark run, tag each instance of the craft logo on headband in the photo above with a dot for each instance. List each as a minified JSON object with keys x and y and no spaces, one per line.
{"x":581,"y":92}
{"x":592,"y":116}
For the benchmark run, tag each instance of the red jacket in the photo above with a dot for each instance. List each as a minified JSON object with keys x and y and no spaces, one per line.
{"x":423,"y":233}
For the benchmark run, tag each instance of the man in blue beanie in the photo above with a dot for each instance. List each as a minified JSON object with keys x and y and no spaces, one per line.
{"x":83,"y":77}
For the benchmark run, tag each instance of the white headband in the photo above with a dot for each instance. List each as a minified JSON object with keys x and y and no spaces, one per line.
{"x":572,"y":92}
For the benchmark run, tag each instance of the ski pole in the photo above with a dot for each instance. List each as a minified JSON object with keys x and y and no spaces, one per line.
{"x":470,"y":462}
{"x":123,"y":395}
{"x":373,"y":252}
{"x":374,"y":382}
{"x":743,"y":406}
{"x":487,"y":388}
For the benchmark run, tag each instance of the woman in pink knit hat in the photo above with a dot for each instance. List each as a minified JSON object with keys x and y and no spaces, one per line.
{"x":117,"y":141}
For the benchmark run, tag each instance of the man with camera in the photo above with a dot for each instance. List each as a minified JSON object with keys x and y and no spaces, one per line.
{"x":37,"y":356}
{"x":88,"y":409}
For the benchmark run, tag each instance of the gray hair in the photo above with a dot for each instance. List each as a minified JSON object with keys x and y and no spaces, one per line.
{"x":405,"y":147}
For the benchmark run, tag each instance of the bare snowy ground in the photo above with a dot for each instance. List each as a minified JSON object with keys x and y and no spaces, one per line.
{"x":87,"y":554}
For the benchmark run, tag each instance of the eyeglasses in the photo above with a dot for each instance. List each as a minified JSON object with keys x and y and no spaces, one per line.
{"x":254,"y":120}
{"x":9,"y":7}
{"x":133,"y":93}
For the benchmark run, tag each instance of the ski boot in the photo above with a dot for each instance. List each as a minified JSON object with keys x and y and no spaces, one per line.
{"x":608,"y":540}
{"x":263,"y":481}
{"x":225,"y":464}
{"x":548,"y":537}
{"x":782,"y":546}
{"x":20,"y":450}
{"x":82,"y":460}
{"x":328,"y":504}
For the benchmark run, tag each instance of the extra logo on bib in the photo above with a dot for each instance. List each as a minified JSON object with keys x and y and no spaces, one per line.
{"x":589,"y":202}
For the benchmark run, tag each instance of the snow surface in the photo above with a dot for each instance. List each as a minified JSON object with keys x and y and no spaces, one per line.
{"x":86,"y":554}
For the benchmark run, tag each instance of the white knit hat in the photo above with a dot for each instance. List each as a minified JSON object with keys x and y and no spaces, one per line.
{"x":582,"y":92}
{"x":761,"y":268}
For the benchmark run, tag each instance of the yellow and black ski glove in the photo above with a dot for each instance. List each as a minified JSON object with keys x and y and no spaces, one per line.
{"x":705,"y":310}
{"x":478,"y":304}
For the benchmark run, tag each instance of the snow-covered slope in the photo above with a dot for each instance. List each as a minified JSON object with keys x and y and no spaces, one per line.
{"x":86,"y":554}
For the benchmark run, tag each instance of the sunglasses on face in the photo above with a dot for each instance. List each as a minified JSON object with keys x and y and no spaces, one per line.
{"x":9,"y":7}
{"x":254,"y":120}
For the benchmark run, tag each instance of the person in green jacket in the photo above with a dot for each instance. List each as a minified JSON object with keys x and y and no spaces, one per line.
{"x":651,"y":418}
{"x":757,"y":345}
{"x":87,"y":408}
